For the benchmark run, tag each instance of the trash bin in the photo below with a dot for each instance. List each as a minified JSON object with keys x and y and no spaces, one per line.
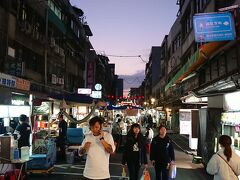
{"x":70,"y":157}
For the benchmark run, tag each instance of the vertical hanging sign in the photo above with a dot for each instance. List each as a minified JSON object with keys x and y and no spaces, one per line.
{"x":90,"y":74}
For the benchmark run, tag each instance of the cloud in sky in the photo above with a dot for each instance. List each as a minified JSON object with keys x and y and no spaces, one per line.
{"x":133,"y":81}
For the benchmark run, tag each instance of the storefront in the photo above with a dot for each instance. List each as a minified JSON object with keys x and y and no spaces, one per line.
{"x":14,"y":101}
{"x":230,"y":118}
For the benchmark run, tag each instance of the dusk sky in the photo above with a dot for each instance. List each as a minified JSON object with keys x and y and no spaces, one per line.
{"x":128,"y":28}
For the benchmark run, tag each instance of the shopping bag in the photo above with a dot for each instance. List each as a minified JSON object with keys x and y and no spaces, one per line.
{"x":172,"y":171}
{"x":124,"y":174}
{"x":146,"y":175}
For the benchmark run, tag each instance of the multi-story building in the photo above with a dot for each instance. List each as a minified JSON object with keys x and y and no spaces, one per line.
{"x":44,"y":42}
{"x":105,"y":75}
{"x":45,"y":56}
{"x":163,"y":67}
{"x":207,"y":69}
{"x":137,"y":94}
{"x":155,"y":58}
{"x":197,"y":75}
{"x":119,"y":87}
{"x":148,"y":81}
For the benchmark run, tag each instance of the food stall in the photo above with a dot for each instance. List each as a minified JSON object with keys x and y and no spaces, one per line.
{"x":44,"y":146}
{"x":9,"y":118}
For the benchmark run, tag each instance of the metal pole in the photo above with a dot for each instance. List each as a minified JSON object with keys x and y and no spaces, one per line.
{"x":46,"y":44}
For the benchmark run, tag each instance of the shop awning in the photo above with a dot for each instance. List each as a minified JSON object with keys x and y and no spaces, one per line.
{"x":182,"y":71}
{"x":196,"y":60}
{"x":77,"y":98}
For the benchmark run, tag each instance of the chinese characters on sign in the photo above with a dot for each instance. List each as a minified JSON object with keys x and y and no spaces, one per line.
{"x":90,"y":74}
{"x":22,"y":84}
{"x":7,"y":80}
{"x":14,"y":82}
{"x":213,"y":27}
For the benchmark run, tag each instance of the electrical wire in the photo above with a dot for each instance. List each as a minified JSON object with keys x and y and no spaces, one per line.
{"x":126,"y":56}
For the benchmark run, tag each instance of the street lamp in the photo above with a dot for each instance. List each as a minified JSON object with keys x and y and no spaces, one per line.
{"x":153,"y":100}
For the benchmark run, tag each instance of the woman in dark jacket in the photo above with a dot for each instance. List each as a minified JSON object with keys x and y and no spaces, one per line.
{"x":135,"y":151}
{"x":162,"y":154}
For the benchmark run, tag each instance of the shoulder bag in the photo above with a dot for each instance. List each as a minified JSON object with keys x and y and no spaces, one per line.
{"x":228,"y":165}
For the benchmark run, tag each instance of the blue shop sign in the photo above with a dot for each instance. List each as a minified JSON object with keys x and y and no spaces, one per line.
{"x":213,"y":27}
{"x":6,"y":80}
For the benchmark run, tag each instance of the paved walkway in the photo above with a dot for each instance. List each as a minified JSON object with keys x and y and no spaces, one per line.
{"x":186,"y":170}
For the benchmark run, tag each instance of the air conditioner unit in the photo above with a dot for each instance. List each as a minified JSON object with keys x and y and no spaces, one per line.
{"x":61,"y":52}
{"x":52,"y":42}
{"x":56,"y":49}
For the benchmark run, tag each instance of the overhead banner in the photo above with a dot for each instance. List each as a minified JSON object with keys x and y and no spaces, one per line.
{"x":210,"y":27}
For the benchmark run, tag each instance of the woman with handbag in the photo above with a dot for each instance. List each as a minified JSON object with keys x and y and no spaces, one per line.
{"x":135,"y":151}
{"x":225,"y":164}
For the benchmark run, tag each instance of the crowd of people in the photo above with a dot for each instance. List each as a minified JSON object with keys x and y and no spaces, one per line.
{"x":224,"y":165}
{"x":138,"y":149}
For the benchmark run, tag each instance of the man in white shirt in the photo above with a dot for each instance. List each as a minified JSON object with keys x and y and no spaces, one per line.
{"x":97,"y":145}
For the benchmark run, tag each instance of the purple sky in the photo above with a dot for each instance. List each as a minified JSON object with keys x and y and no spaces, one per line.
{"x":128,"y":28}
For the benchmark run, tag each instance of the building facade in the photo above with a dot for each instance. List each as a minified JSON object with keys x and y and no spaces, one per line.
{"x":196,"y":71}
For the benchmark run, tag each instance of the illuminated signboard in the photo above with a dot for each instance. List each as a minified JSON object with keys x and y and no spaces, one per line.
{"x":84,"y":91}
{"x":96,"y":94}
{"x":209,"y":27}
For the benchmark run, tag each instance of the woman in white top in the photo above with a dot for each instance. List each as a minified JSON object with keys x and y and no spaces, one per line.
{"x":225,"y":164}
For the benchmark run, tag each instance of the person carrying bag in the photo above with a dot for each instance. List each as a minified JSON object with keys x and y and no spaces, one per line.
{"x":173,"y":171}
{"x":225,"y":164}
{"x":145,"y":175}
{"x":162,"y":154}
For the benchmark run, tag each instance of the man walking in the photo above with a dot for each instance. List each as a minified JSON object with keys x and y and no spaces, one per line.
{"x":97,"y":145}
{"x":162,"y":154}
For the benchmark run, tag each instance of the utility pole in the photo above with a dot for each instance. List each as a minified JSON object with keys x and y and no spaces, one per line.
{"x":46,"y":44}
